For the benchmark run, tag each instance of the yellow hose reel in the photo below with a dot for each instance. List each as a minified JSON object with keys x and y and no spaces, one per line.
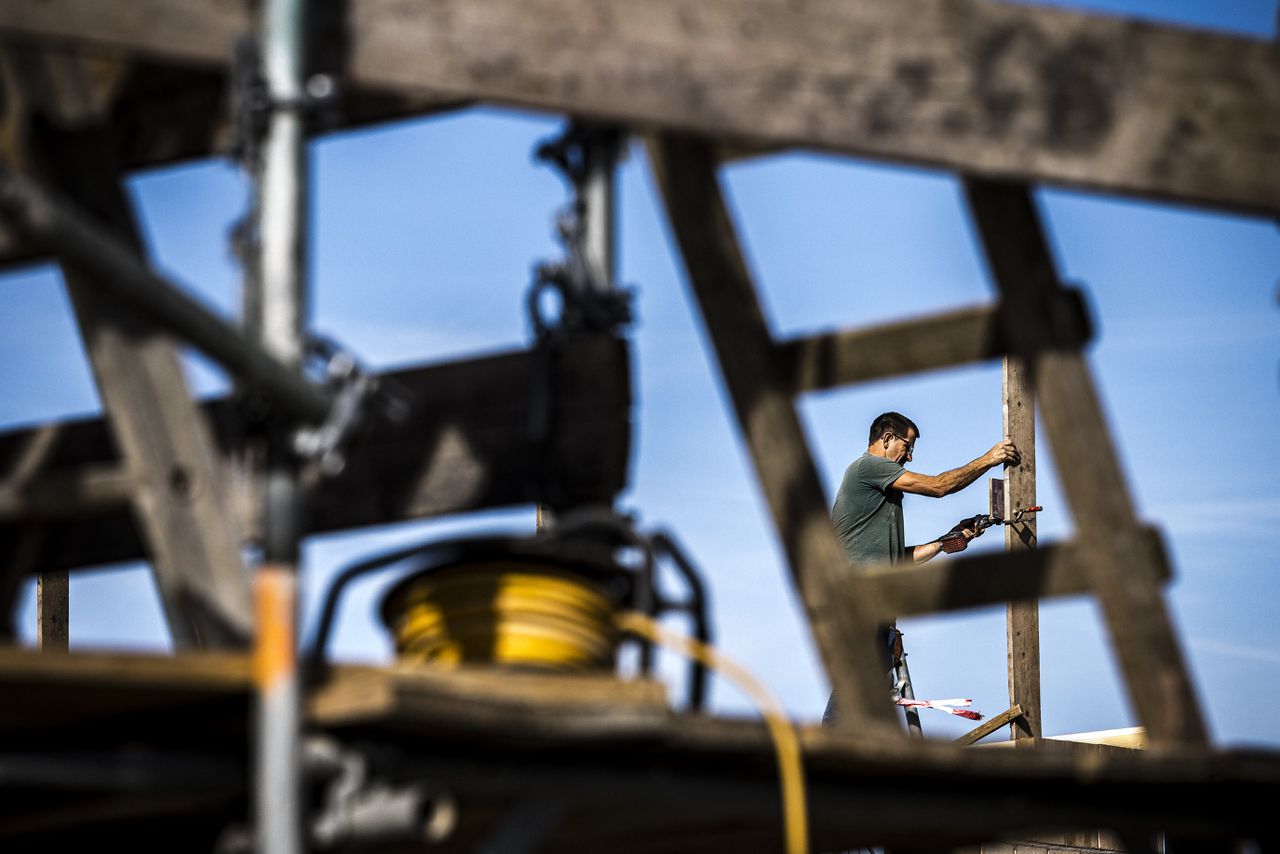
{"x":510,"y":613}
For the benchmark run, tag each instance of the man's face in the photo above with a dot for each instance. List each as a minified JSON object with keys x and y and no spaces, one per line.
{"x":901,"y":447}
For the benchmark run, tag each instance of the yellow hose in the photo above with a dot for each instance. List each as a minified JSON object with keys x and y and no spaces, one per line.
{"x":786,"y":745}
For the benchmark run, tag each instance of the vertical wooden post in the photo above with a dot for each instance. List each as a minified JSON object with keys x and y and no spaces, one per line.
{"x":52,"y":601}
{"x":1022,"y":619}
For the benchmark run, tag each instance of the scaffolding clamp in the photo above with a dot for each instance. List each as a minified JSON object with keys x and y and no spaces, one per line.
{"x":252,"y":102}
{"x":356,"y":394}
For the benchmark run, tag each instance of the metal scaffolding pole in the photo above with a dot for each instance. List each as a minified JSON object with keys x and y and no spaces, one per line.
{"x":282,"y":211}
{"x":599,"y":208}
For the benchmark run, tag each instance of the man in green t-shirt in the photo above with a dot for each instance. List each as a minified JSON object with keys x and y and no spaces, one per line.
{"x":868,"y":509}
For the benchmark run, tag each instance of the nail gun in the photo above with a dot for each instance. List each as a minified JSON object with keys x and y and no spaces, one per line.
{"x":955,"y":541}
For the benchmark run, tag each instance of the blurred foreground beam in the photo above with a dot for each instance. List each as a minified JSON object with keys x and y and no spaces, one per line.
{"x":1016,"y":92}
{"x":992,"y":578}
{"x":843,"y":624}
{"x":465,"y":446}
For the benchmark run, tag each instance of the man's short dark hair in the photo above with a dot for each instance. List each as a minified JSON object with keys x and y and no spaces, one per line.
{"x":892,"y":422}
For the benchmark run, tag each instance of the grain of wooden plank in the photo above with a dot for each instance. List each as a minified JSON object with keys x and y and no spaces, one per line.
{"x":990,"y":725}
{"x":843,"y":625}
{"x":1001,"y":90}
{"x":53,"y":605}
{"x":831,"y":359}
{"x":474,"y":698}
{"x":1022,"y":617}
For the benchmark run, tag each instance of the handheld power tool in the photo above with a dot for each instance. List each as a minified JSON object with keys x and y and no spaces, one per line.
{"x":954,"y":541}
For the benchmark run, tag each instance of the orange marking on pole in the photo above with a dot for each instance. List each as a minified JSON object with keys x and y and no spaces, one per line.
{"x":274,"y":591}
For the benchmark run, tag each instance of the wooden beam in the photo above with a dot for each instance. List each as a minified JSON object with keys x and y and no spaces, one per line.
{"x":161,"y":114}
{"x":1022,"y":617}
{"x":79,"y":493}
{"x":1020,"y":92}
{"x":165,"y":448}
{"x":466,"y":445}
{"x":989,"y":726}
{"x":53,"y":603}
{"x":993,"y":578}
{"x":843,"y":625}
{"x":832,"y":359}
{"x":1146,"y":645}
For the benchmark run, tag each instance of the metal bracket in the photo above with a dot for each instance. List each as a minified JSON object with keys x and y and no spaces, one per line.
{"x":252,"y":104}
{"x":355,"y":393}
{"x":586,"y":156}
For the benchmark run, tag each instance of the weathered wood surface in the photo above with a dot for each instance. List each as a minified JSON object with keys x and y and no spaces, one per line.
{"x":166,"y":450}
{"x":843,"y":625}
{"x":830,"y":359}
{"x":53,"y":605}
{"x":990,"y":725}
{"x":992,"y":578}
{"x":1022,"y":617}
{"x":1146,"y":644}
{"x":466,"y":445}
{"x":827,"y":360}
{"x":690,"y":778}
{"x":1001,"y":90}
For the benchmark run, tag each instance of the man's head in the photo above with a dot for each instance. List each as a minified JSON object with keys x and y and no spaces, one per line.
{"x":893,"y":436}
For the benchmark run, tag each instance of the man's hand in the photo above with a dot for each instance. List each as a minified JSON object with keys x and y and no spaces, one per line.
{"x":957,"y":539}
{"x":1003,"y":452}
{"x":969,"y":528}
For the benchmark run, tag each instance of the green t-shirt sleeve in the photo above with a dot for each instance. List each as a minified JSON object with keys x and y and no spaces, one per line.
{"x":880,"y":473}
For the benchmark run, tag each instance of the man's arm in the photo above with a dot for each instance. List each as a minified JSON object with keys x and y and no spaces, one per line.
{"x":938,"y":485}
{"x":925,"y":551}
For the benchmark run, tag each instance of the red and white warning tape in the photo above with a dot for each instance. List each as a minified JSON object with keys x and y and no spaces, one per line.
{"x":948,"y":706}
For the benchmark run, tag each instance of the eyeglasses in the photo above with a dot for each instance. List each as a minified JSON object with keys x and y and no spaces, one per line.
{"x":911,"y":446}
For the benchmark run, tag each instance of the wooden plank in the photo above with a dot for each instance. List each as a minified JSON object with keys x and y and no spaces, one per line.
{"x":828,"y":360}
{"x":657,"y":763}
{"x":466,"y":445}
{"x":1132,"y":738}
{"x":53,"y":603}
{"x":161,"y":113}
{"x":192,"y":539}
{"x":88,"y":491}
{"x":1022,"y":617}
{"x":470,"y":697}
{"x":993,"y":578}
{"x":1146,"y":645}
{"x":1019,"y":92}
{"x":843,"y":625}
{"x":831,"y":359}
{"x":989,"y":726}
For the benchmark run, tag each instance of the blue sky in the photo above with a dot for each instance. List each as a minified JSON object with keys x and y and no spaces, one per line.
{"x":425,"y":236}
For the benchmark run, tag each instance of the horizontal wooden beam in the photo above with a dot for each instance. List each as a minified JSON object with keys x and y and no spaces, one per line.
{"x":990,"y":725}
{"x":468,"y":444}
{"x":162,"y":113}
{"x":831,"y":359}
{"x":1019,"y":91}
{"x":998,"y":577}
{"x":91,"y":490}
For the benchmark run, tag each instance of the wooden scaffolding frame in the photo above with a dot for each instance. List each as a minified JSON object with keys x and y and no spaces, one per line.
{"x":1006,"y":96}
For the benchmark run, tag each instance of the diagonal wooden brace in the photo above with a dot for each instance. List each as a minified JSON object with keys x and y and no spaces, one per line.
{"x":844,"y":626}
